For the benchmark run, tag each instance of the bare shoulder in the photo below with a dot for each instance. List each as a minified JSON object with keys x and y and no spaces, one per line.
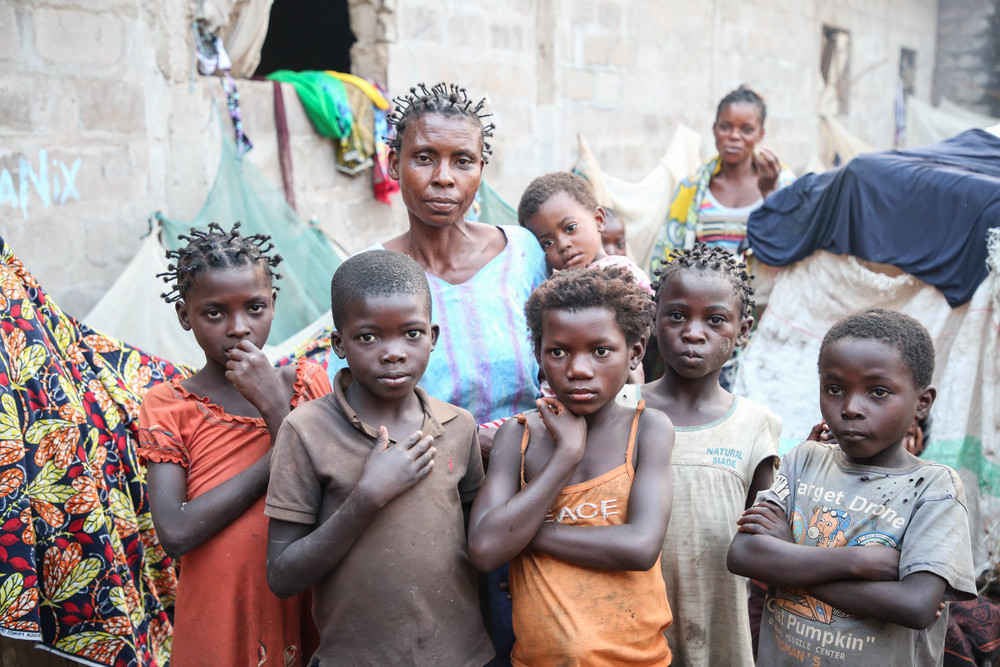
{"x":652,"y":393}
{"x":655,"y":421}
{"x":288,"y":375}
{"x":539,"y":447}
{"x":655,"y":437}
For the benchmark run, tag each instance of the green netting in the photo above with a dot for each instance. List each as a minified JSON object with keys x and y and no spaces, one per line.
{"x":492,"y":208}
{"x":242,"y":193}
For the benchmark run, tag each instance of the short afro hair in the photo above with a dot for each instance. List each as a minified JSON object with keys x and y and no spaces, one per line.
{"x":708,"y":258}
{"x":895,"y":329}
{"x":376,"y":273}
{"x":612,"y":287}
{"x":545,"y":187}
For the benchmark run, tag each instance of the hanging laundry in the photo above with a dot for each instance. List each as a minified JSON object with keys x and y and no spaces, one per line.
{"x":324,"y":99}
{"x":383,"y":133}
{"x":355,"y":151}
{"x":243,"y":144}
{"x":212,"y":57}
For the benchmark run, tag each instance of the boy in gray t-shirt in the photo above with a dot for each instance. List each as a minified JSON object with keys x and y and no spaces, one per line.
{"x":902,"y":522}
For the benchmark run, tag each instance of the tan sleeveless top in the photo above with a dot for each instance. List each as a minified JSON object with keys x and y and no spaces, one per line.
{"x":565,"y":614}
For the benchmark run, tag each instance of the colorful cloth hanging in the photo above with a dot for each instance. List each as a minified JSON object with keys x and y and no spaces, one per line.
{"x":81,"y":569}
{"x":324,"y":98}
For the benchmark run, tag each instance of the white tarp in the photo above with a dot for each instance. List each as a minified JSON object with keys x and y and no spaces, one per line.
{"x":643,"y":206}
{"x":778,"y":368}
{"x":928,"y":125}
{"x":155,"y":329}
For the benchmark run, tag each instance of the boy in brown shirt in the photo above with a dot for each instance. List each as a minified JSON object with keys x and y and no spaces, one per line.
{"x":367,"y":486}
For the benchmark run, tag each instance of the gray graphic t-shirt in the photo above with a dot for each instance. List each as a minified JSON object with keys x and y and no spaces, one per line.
{"x":831,"y":502}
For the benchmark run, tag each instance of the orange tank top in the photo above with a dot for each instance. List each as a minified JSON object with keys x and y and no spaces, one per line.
{"x":565,"y":614}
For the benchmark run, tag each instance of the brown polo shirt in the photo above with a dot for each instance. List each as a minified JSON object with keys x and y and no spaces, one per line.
{"x":405,"y":594}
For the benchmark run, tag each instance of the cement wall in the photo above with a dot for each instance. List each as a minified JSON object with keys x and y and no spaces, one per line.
{"x":624,"y":73}
{"x":967,"y":52}
{"x":99,"y":103}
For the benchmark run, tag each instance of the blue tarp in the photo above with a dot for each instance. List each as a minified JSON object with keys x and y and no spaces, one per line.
{"x":924,"y":210}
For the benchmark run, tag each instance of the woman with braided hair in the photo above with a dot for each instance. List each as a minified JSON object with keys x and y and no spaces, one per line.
{"x":480,"y":274}
{"x":712,"y":205}
{"x":206,"y":442}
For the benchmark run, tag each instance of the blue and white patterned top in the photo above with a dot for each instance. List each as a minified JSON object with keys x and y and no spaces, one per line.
{"x":483,"y":360}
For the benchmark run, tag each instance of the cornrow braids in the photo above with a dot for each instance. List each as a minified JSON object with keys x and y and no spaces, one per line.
{"x":215,"y":249}
{"x":743,"y":94}
{"x":446,"y":99}
{"x":708,"y":258}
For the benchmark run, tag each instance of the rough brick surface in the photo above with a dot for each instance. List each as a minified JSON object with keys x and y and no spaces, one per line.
{"x":108,"y":84}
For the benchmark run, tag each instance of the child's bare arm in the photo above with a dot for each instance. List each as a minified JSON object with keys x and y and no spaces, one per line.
{"x":299,"y":555}
{"x":504,"y":516}
{"x":636,"y":544}
{"x":764,"y":549}
{"x":912,"y":602}
{"x":182,"y":525}
{"x":763,"y":477}
{"x":268,"y":389}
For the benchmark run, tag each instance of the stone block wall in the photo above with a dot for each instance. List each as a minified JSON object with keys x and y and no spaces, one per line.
{"x":102,"y":123}
{"x":624,"y":73}
{"x":968,"y":43}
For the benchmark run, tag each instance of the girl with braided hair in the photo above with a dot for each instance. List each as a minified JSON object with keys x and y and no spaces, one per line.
{"x":206,"y":442}
{"x":725,"y":450}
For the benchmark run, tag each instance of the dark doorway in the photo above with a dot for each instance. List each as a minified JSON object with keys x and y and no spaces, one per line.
{"x":307,"y":34}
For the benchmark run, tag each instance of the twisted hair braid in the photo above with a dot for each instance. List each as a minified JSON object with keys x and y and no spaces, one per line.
{"x":211,"y":249}
{"x":446,"y":99}
{"x":709,"y":258}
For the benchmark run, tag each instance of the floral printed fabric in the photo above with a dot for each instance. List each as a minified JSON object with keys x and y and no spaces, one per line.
{"x":80,"y":568}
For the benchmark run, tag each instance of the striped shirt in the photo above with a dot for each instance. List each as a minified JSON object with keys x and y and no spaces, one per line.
{"x":483,"y":360}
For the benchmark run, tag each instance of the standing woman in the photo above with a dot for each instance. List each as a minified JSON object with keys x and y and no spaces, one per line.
{"x":712,"y":205}
{"x":480,"y":275}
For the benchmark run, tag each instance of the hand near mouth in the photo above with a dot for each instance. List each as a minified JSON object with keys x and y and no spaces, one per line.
{"x":768,"y":168}
{"x":821,"y":433}
{"x":256,"y":379}
{"x":568,"y":431}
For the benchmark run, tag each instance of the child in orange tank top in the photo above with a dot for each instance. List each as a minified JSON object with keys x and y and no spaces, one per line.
{"x":577,"y":495}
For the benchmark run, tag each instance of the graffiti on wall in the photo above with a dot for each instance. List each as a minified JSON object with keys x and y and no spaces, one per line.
{"x":47,"y":186}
